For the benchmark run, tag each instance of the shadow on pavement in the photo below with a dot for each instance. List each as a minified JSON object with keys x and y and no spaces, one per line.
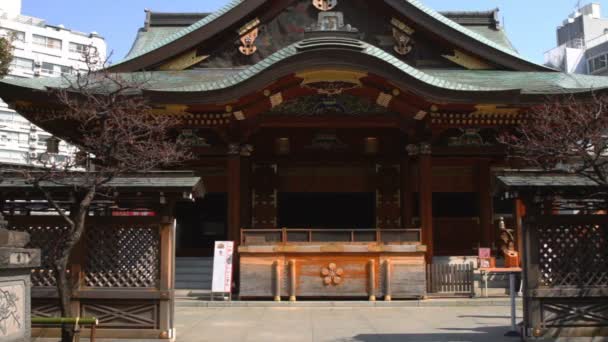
{"x":485,"y":334}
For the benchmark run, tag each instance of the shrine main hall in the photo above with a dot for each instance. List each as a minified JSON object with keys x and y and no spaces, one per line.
{"x":343,"y":145}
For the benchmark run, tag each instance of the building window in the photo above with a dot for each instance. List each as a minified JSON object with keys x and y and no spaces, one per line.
{"x":48,"y":68}
{"x":12,"y":34}
{"x":22,"y":64}
{"x":597,"y":64}
{"x":66,"y":70}
{"x":47,"y":42}
{"x":78,"y":48}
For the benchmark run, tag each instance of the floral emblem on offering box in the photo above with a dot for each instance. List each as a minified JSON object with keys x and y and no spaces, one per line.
{"x":332,"y":275}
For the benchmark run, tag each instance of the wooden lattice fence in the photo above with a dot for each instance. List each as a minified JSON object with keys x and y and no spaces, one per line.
{"x":117,"y":260}
{"x":566,"y":276}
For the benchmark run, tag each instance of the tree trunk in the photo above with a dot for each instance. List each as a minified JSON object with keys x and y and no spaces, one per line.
{"x":64,"y":279}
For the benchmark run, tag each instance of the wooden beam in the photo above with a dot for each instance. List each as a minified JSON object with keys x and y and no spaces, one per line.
{"x":233,"y":177}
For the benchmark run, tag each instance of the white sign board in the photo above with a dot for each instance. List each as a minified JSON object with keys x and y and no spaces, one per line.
{"x":222,"y":267}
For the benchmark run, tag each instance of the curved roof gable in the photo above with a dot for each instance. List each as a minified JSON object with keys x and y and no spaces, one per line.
{"x":186,"y":38}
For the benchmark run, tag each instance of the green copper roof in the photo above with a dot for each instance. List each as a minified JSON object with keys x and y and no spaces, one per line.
{"x":293,"y":49}
{"x":203,"y":80}
{"x":158,"y":39}
{"x":146,"y":39}
{"x":498,"y":36}
{"x":184,"y":31}
{"x":528,"y":82}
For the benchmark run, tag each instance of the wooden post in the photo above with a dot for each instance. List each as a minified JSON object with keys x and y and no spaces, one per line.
{"x":407,"y":195}
{"x":167,"y":255}
{"x":292,"y":280}
{"x":520,"y":211}
{"x":233,"y":173}
{"x":246,"y":193}
{"x":277,"y":281}
{"x":388,"y":295}
{"x":488,"y":235}
{"x":233,"y":178}
{"x":426,"y":199}
{"x":372,"y":280}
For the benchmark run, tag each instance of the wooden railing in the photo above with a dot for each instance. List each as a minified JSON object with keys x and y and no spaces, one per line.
{"x":312,"y":235}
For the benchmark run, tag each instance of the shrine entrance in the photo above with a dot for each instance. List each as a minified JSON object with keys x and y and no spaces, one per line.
{"x":327,"y":210}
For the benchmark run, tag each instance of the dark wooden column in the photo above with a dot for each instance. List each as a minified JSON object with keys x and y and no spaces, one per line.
{"x":520,"y":212}
{"x":425,"y":163}
{"x":246,"y":186}
{"x":488,"y":235}
{"x":233,"y":177}
{"x":407,"y":195}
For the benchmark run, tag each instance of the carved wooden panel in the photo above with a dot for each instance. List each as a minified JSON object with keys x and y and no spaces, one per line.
{"x":50,"y":239}
{"x":573,"y":255}
{"x":264,"y":196}
{"x":388,"y":198}
{"x":45,"y":308}
{"x":122,"y":257}
{"x":140,"y":315}
{"x":573,"y":313}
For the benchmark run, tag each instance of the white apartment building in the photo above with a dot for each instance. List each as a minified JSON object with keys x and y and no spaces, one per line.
{"x":40,"y":50}
{"x":582,"y":43}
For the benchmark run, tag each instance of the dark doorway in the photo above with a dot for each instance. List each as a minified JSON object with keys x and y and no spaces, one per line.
{"x":200,"y":224}
{"x":327,"y":210}
{"x":456,"y":226}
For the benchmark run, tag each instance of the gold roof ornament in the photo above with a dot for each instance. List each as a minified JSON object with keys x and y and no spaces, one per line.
{"x":325,"y":5}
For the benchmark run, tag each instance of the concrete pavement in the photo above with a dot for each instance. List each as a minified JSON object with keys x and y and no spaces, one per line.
{"x":343,"y":324}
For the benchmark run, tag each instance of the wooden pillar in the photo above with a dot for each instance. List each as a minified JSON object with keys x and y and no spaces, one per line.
{"x":488,"y":231}
{"x":407,"y":195}
{"x":425,"y":164}
{"x":246,"y":199}
{"x":167,"y":271}
{"x":233,"y":177}
{"x":520,"y":212}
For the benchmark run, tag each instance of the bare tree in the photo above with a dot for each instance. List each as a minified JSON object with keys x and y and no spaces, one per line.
{"x":116,"y":133}
{"x":565,"y":134}
{"x":6,"y":55}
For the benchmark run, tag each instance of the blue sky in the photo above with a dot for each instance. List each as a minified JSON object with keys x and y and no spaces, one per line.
{"x":530,"y":23}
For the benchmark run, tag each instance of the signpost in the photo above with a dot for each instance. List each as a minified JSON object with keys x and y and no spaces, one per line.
{"x":222,"y":268}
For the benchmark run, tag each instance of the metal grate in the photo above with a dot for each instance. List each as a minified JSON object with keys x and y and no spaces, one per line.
{"x":50,"y":240}
{"x":573,"y":255}
{"x":124,"y":256}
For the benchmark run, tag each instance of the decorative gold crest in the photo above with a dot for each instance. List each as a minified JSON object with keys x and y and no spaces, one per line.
{"x":402,"y":42}
{"x":325,"y":5}
{"x":249,"y":33}
{"x":332,"y":275}
{"x":248,"y":42}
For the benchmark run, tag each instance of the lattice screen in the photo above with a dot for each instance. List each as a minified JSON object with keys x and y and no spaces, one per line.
{"x":573,"y":255}
{"x":50,"y":240}
{"x":122,"y":257}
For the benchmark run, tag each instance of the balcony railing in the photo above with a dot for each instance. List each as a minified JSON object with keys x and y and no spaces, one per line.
{"x":325,"y":236}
